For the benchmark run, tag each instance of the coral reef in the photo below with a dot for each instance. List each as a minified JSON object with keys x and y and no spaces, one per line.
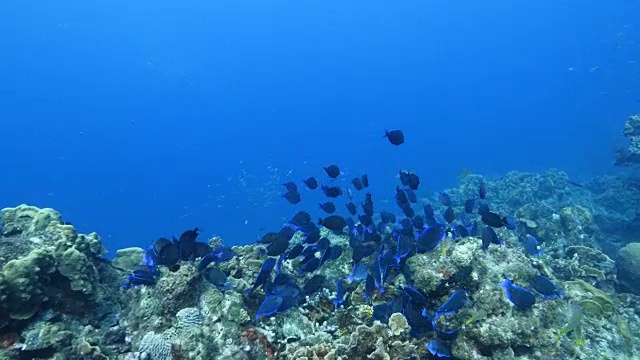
{"x":62,"y":300}
{"x":630,"y":155}
{"x":628,"y":266}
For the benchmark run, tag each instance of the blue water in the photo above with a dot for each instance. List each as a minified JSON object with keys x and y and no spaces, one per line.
{"x":141,"y":119}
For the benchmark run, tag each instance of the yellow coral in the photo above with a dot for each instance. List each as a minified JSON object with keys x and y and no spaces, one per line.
{"x":366,"y":312}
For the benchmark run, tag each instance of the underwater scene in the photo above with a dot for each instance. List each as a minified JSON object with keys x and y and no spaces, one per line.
{"x":319,"y":180}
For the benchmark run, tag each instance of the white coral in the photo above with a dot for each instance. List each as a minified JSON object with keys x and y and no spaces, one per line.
{"x":156,"y":346}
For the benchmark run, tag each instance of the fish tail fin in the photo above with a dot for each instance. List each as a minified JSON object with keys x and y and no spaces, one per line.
{"x":386,"y":134}
{"x":506,"y":283}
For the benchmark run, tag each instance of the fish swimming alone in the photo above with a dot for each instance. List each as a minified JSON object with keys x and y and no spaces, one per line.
{"x":395,"y":137}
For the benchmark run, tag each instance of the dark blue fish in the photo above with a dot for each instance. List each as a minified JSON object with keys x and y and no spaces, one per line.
{"x":290,"y":186}
{"x":482,"y":190}
{"x":216,"y":277}
{"x":387,"y":217}
{"x":269,"y":306}
{"x":334,"y":253}
{"x":428,"y":211}
{"x":358,"y":273}
{"x":445,"y":199}
{"x":381,"y":266}
{"x":404,"y":177}
{"x":492,"y":219}
{"x":280,"y":261}
{"x":382,"y":312}
{"x":510,"y":222}
{"x":411,"y":196}
{"x":295,"y":251}
{"x":369,"y":287}
{"x":403,"y":246}
{"x":334,"y":223}
{"x":284,"y":290}
{"x":189,"y":236}
{"x":332,"y":170}
{"x":365,"y":220}
{"x":489,"y":237}
{"x":414,"y":181}
{"x":264,"y":274}
{"x":201,"y":249}
{"x":418,"y":222}
{"x":164,"y":252}
{"x":331,"y":191}
{"x":438,"y":349}
{"x":278,"y":246}
{"x":300,"y":219}
{"x":268,"y":238}
{"x":461,"y":231}
{"x":483,"y":208}
{"x":312,"y":285}
{"x":328,"y":207}
{"x":406,"y":223}
{"x":418,"y":320}
{"x":362,"y":251}
{"x":292,"y":196}
{"x":351,"y":207}
{"x":288,"y":302}
{"x":455,"y":302}
{"x":222,"y":254}
{"x":141,"y":276}
{"x":415,"y":296}
{"x":218,"y":255}
{"x":395,"y":137}
{"x":340,"y":293}
{"x":429,"y":238}
{"x":519,"y":296}
{"x":545,"y":287}
{"x":401,"y":197}
{"x":407,"y":210}
{"x":310,"y":266}
{"x":365,"y":180}
{"x":469,"y":205}
{"x":311,"y":183}
{"x":287,"y":232}
{"x":530,"y":244}
{"x":449,"y":215}
{"x":367,"y":205}
{"x":282,"y":279}
{"x":357,"y":183}
{"x":312,"y":237}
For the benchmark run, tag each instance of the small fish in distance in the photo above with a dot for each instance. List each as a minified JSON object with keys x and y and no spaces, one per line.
{"x":328,"y":207}
{"x":290,"y":186}
{"x":357,"y":183}
{"x":311,"y":183}
{"x":352,"y":208}
{"x":365,"y":180}
{"x":482,"y":190}
{"x":445,"y":199}
{"x":331,"y":191}
{"x":333,"y":171}
{"x":395,"y":137}
{"x":293,"y":197}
